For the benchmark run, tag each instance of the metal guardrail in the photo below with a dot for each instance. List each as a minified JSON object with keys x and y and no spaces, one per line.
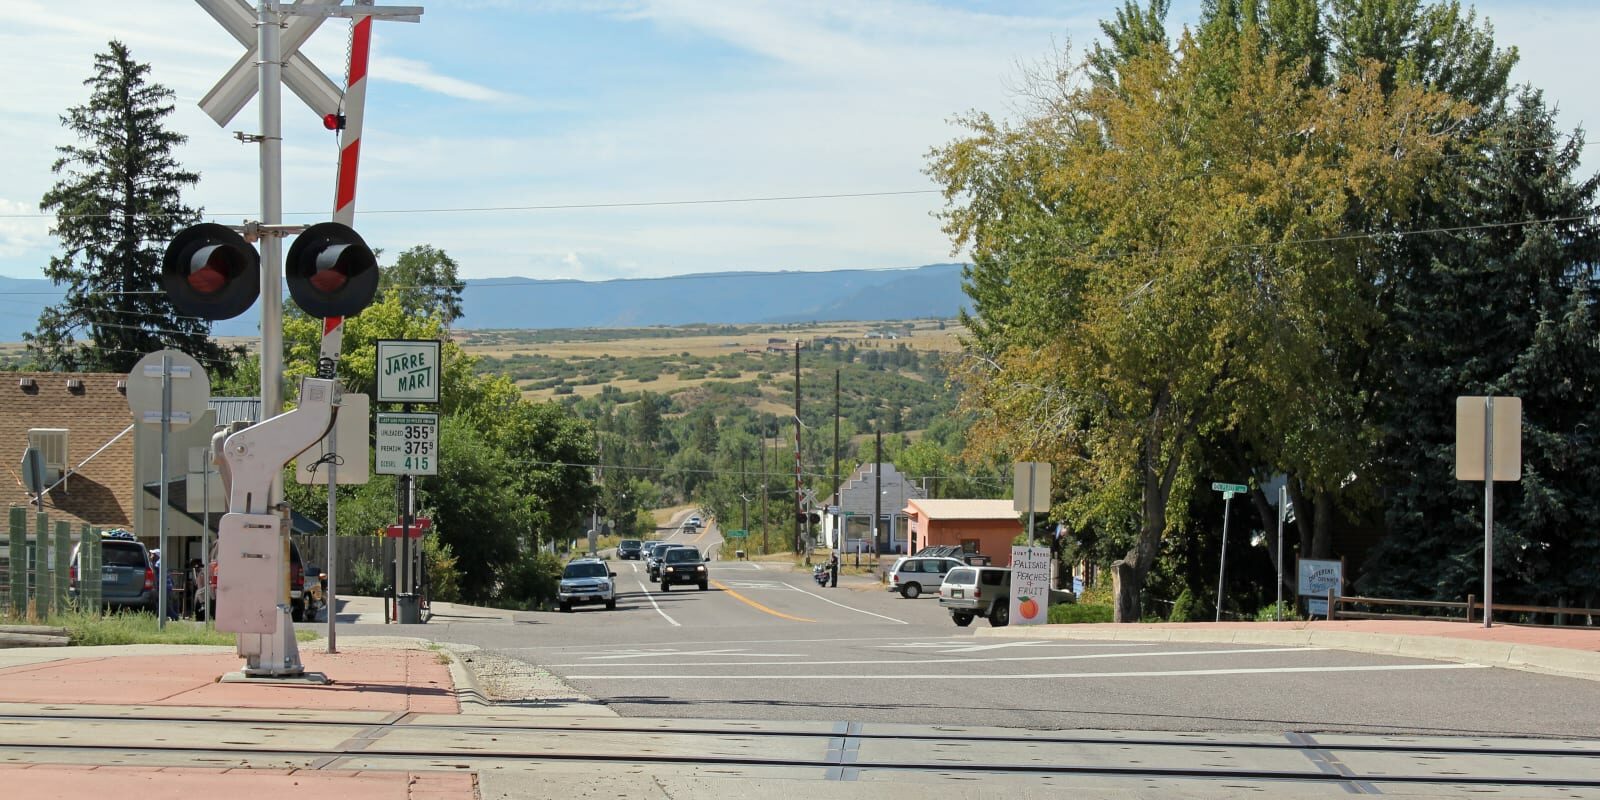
{"x":1470,"y":610}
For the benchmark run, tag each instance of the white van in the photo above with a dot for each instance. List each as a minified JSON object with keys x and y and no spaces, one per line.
{"x":914,"y":575}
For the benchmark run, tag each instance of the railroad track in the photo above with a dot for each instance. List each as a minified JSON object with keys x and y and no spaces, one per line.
{"x":819,"y":751}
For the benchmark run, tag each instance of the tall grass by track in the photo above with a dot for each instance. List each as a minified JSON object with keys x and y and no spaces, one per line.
{"x":131,"y":627}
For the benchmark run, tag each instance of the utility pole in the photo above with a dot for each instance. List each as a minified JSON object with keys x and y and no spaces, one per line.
{"x":877,"y":498}
{"x":838,"y":533}
{"x":798,"y":541}
{"x":765,"y":547}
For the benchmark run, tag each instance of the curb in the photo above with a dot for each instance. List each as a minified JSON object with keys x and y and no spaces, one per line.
{"x":1558,"y":661}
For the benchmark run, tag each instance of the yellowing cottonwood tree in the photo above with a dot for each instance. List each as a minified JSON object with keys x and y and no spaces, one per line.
{"x":1164,"y":254}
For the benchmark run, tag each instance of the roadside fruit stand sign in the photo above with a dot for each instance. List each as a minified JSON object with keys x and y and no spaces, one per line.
{"x":408,"y":444}
{"x":1030,"y":585}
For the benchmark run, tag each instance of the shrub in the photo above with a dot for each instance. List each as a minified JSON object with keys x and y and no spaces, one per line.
{"x":530,"y":581}
{"x":1076,"y":613}
{"x":1290,"y":612}
{"x":443,"y":574}
{"x":368,"y":580}
{"x":1186,"y":609}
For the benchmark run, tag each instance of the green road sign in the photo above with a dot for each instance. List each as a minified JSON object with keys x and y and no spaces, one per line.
{"x":736,"y":534}
{"x":1230,"y":487}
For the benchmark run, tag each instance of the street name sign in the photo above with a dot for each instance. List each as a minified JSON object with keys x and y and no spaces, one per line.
{"x":737,"y":534}
{"x":408,"y":371}
{"x":408,"y":444}
{"x":1236,"y":488}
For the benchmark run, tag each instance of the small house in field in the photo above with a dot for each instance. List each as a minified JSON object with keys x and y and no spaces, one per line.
{"x":976,"y":526}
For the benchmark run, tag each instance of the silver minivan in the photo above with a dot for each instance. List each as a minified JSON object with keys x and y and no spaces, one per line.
{"x":912,"y":576}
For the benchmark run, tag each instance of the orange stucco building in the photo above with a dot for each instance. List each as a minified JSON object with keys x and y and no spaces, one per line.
{"x":977,"y":526}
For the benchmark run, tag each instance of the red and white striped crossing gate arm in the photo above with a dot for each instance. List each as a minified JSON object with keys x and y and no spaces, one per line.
{"x":344,"y":201}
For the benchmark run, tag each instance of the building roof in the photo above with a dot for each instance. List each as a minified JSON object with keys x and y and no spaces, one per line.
{"x":100,"y":492}
{"x":860,"y":488}
{"x":962,"y":509}
{"x":236,"y":409}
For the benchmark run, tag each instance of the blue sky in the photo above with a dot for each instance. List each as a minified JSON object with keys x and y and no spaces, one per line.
{"x":493,"y":103}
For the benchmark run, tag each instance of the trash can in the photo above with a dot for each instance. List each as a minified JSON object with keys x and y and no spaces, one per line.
{"x":408,"y":610}
{"x":738,"y":554}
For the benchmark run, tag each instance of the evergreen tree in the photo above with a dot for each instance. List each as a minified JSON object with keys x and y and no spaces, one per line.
{"x":117,"y":204}
{"x":1505,"y":307}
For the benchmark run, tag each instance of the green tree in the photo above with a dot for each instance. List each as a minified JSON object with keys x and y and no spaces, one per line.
{"x":1129,"y":322}
{"x":427,"y":281}
{"x":117,"y":203}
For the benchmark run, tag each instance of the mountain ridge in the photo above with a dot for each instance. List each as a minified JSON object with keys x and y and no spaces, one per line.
{"x":734,"y":297}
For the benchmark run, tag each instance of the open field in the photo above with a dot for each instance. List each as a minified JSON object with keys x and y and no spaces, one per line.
{"x":925,"y":335}
{"x":551,"y":364}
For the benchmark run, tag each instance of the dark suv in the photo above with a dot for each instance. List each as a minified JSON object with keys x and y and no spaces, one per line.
{"x":683,"y":565}
{"x":127,"y":578}
{"x":630,"y":549}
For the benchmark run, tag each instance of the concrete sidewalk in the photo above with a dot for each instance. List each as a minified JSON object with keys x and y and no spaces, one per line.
{"x":1569,"y":652}
{"x":375,"y":680}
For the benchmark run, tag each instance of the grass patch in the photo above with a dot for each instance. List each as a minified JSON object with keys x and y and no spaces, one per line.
{"x":1078,"y":613}
{"x":132,"y":627}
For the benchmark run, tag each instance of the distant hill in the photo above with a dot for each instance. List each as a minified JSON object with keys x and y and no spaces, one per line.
{"x":718,"y":297}
{"x":731,"y":297}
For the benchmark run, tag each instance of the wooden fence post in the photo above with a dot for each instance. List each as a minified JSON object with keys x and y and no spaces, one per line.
{"x":1471,"y":600}
{"x":18,"y":566}
{"x":63,"y":562}
{"x":89,"y":568}
{"x":1333,"y":609}
{"x":42,"y":580}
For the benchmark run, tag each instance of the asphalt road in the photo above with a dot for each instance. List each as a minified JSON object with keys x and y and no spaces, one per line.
{"x":765,"y":642}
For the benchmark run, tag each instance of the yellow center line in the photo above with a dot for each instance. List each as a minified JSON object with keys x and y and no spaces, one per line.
{"x":757,"y":606}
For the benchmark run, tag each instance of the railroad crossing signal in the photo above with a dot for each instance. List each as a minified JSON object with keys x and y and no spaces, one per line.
{"x":241,"y":81}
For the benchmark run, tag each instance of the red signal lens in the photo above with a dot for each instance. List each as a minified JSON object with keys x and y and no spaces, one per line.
{"x":331,"y":122}
{"x":329,"y":280}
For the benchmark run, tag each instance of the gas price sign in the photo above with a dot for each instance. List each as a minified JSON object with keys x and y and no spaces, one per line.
{"x":408,"y":444}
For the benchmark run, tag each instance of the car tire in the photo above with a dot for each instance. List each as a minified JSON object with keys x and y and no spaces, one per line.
{"x":666,"y":587}
{"x":704,"y":586}
{"x":611,"y":605}
{"x":962,"y":620}
{"x":566,"y":608}
{"x":1000,"y":615}
{"x":911,"y":591}
{"x":297,"y":612}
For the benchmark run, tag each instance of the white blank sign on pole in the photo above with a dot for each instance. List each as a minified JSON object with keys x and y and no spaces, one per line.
{"x":1030,"y":480}
{"x":1507,"y":438}
{"x":355,"y":415}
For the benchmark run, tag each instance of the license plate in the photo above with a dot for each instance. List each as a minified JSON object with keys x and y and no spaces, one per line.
{"x":955,"y":593}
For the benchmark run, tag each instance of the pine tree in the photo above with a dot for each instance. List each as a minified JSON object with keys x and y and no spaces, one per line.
{"x":117,"y":204}
{"x":1508,"y":308}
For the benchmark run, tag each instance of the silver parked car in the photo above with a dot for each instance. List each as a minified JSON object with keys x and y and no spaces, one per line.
{"x":972,"y":592}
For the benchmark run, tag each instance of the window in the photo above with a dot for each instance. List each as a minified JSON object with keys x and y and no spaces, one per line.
{"x":679,"y":555}
{"x":992,"y":577}
{"x":589,"y":569}
{"x":122,"y":555}
{"x":969,"y":545}
{"x":962,"y":577}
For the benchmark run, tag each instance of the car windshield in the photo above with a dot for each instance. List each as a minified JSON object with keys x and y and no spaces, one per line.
{"x":678,"y":555}
{"x":630,"y":543}
{"x":962,"y":576}
{"x":587,"y":570}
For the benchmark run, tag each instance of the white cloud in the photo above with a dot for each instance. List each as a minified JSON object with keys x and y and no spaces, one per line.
{"x":419,"y":74}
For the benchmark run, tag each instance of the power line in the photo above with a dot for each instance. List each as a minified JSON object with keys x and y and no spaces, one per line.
{"x":539,"y":207}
